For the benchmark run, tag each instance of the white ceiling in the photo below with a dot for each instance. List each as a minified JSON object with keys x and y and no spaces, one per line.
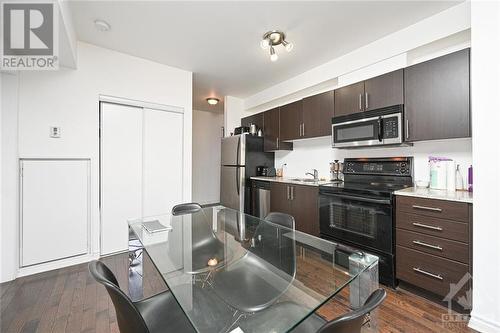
{"x":219,"y":41}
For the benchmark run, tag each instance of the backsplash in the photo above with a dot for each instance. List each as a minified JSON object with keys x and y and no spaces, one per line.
{"x":318,"y":153}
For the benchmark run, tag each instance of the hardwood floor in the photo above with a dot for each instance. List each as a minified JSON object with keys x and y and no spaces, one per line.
{"x":69,"y":300}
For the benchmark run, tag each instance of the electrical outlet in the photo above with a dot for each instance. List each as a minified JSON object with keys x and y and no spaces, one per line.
{"x":55,"y":132}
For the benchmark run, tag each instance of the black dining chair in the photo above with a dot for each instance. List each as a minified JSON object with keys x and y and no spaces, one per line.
{"x":266,"y":270}
{"x":159,"y":313}
{"x":351,"y":322}
{"x":205,"y":244}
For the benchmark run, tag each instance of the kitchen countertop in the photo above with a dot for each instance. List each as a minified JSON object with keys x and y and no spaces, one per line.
{"x":459,"y":196}
{"x":290,"y":181}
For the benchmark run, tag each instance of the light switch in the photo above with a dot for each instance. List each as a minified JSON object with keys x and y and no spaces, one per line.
{"x":55,"y":132}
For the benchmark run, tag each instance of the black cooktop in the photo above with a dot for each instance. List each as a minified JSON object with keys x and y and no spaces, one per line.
{"x":374,"y":176}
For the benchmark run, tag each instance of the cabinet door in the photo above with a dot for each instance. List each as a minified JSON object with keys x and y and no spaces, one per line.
{"x":257,"y":119}
{"x":271,"y":129}
{"x":279,"y":198}
{"x":317,"y":113}
{"x":349,"y":99}
{"x":291,"y":121}
{"x":305,"y":209}
{"x":384,"y":90}
{"x":437,"y":98}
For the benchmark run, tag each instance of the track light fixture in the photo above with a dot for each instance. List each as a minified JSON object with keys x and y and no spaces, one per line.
{"x":273,"y":38}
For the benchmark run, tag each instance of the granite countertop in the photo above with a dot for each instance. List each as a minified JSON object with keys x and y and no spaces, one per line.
{"x":459,"y":196}
{"x":291,"y":180}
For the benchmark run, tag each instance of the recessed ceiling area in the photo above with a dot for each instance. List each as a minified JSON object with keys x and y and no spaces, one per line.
{"x":220,"y":41}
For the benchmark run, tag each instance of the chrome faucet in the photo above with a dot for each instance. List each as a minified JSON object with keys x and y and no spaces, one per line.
{"x":314,"y":174}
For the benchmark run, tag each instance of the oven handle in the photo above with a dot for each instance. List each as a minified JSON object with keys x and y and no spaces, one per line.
{"x":352,"y":197}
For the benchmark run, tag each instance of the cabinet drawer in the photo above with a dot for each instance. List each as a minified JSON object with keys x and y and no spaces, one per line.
{"x":451,"y":210}
{"x":438,"y":246}
{"x":429,"y":272}
{"x":433,"y":226}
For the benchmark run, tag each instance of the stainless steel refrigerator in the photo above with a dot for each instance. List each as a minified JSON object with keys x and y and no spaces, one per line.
{"x":240,"y":156}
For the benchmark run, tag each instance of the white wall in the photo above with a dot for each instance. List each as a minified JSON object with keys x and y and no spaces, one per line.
{"x":207,"y":133}
{"x":233,"y":112}
{"x":318,"y":153}
{"x":485,"y":79}
{"x":69,"y":99}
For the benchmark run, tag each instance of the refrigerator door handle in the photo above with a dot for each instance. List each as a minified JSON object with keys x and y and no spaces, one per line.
{"x":238,"y":152}
{"x":238,"y":180}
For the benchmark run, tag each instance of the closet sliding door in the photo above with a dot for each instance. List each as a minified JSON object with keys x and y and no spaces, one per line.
{"x":162,"y":161}
{"x":141,"y":168}
{"x":121,"y":173}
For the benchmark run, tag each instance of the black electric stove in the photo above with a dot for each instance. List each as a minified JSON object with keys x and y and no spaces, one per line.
{"x":360,"y":210}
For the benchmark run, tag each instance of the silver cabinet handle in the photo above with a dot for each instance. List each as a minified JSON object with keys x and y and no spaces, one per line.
{"x":300,"y":129}
{"x":421,"y":271}
{"x":433,"y":209}
{"x":360,"y":102}
{"x":303,"y":129}
{"x":366,"y":101}
{"x":287,"y":192}
{"x":435,"y":247}
{"x":416,"y":224}
{"x":277,"y":143}
{"x":292,"y":192}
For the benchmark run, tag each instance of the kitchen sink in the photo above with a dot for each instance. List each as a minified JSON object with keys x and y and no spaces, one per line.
{"x":304,"y":180}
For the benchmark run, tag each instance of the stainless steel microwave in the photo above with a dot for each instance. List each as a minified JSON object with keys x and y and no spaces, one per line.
{"x":370,"y":128}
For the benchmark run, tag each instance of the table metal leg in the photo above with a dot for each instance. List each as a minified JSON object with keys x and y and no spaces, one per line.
{"x":365,"y":284}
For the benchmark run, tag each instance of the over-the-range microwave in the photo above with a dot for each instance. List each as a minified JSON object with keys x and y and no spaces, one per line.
{"x":370,"y":128}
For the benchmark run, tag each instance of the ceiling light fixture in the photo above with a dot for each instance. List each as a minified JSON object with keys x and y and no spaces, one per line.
{"x":102,"y":25}
{"x":273,"y":38}
{"x":212,"y":101}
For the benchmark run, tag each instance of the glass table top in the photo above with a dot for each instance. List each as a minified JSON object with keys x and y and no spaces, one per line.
{"x":230,"y":271}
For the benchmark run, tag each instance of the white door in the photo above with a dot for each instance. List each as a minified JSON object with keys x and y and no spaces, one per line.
{"x":121,"y":173}
{"x":54,"y":210}
{"x":162,"y":161}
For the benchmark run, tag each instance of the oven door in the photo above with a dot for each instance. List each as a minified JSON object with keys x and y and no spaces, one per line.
{"x":363,"y":221}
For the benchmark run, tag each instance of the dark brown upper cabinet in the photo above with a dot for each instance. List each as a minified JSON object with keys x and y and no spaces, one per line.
{"x":257,"y":119}
{"x":307,"y":118}
{"x":437,"y":98}
{"x":375,"y":93}
{"x":349,"y":99}
{"x":291,"y":121}
{"x":384,"y":90}
{"x":271,"y":126}
{"x":317,"y":113}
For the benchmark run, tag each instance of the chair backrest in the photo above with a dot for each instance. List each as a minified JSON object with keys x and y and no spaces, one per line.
{"x":186,"y":208}
{"x":282,"y":219}
{"x":353,"y":321}
{"x":128,"y":317}
{"x":275,"y":247}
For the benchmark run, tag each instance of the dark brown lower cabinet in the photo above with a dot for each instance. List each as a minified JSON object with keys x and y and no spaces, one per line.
{"x":434,"y":245}
{"x":299,"y":201}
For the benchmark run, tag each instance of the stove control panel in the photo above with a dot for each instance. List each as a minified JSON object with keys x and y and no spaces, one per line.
{"x":396,"y":166}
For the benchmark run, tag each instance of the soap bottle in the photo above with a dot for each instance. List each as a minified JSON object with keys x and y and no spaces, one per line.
{"x":459,"y":180}
{"x":469,"y":181}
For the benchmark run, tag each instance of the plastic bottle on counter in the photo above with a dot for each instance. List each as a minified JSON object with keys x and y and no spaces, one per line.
{"x":469,"y":179}
{"x":459,"y":180}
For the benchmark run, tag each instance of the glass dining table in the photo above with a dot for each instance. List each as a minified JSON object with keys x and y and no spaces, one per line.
{"x":233,"y":272}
